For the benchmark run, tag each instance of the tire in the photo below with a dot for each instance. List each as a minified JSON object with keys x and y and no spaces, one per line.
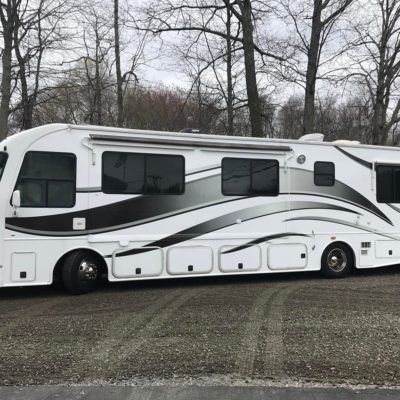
{"x":337,"y":261}
{"x":80,"y":272}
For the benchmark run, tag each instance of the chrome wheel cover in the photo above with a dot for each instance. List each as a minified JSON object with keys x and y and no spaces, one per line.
{"x":87,"y":270}
{"x":337,"y":260}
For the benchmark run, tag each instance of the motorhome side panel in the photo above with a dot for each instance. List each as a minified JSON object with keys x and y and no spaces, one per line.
{"x":156,"y":206}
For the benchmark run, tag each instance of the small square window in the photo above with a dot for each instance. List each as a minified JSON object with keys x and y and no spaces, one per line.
{"x":324,"y":173}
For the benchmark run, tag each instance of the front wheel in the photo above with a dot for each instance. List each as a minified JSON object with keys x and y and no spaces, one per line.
{"x":337,"y":261}
{"x":80,"y":272}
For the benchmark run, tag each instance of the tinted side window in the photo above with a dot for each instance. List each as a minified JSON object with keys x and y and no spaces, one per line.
{"x":249,"y":177}
{"x":165,"y":174}
{"x":236,"y":179}
{"x":47,"y":180}
{"x":388,"y":183}
{"x":123,"y":173}
{"x":324,"y":173}
{"x":136,"y":173}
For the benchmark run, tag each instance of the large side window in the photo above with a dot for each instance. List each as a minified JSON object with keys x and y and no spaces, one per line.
{"x":47,"y":179}
{"x":324,"y":173}
{"x":388,"y":183}
{"x":250,"y":177}
{"x":136,"y":173}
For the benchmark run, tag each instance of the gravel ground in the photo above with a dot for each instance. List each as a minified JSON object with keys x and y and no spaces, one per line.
{"x":296,"y":328}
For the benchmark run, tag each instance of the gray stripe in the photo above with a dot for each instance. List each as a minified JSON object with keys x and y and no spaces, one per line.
{"x":346,"y":223}
{"x":264,"y":239}
{"x":190,"y":172}
{"x":394,"y":207}
{"x":302,"y":182}
{"x":358,"y":160}
{"x":227,"y":220}
{"x":88,"y":190}
{"x":203,"y":169}
{"x":45,"y":233}
{"x":163,"y":216}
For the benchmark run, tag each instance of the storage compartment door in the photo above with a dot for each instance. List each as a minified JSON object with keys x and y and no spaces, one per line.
{"x":23,"y":267}
{"x":243,"y":259}
{"x":137,"y":262}
{"x":287,"y":256}
{"x":189,"y":260}
{"x":387,"y":249}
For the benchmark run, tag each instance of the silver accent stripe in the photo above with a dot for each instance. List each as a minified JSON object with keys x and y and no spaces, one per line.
{"x":346,"y":223}
{"x":88,"y":189}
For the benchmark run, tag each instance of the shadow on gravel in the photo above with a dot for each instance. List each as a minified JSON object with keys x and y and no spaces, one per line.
{"x":105,"y":286}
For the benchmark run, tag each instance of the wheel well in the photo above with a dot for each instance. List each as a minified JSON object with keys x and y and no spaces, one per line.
{"x":345,"y":245}
{"x":57,"y":272}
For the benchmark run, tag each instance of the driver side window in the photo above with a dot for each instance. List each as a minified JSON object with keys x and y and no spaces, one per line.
{"x":47,"y":179}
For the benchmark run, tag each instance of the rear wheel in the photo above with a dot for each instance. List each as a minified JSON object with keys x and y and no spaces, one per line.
{"x":81,"y":272}
{"x":337,"y":261}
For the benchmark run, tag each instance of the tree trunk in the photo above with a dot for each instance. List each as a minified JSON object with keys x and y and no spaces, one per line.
{"x":120,"y":100}
{"x":379,"y":134}
{"x":97,"y":95}
{"x":8,"y":28}
{"x":250,"y":67}
{"x":25,"y":101}
{"x":229,"y":97}
{"x":312,"y":68}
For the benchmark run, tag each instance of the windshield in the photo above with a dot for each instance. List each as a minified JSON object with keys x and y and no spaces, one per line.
{"x":3,"y":160}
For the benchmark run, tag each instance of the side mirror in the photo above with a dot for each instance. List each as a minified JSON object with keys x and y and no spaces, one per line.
{"x":16,"y":199}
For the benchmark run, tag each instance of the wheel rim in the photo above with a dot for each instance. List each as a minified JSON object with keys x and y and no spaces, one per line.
{"x":337,"y":260}
{"x":87,"y":271}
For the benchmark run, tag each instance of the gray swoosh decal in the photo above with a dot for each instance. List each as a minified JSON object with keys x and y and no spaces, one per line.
{"x":302,"y":182}
{"x":230,"y":219}
{"x":199,"y":194}
{"x":393,"y":207}
{"x":345,"y":223}
{"x":191,"y":172}
{"x":262,"y":240}
{"x":358,"y":160}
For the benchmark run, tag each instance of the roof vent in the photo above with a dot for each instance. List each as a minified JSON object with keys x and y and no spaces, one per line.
{"x":345,"y":141}
{"x":312,"y":137}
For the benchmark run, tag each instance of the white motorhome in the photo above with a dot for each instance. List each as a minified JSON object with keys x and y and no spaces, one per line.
{"x":81,"y":201}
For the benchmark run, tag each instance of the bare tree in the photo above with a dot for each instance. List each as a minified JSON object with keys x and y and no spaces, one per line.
{"x":8,"y":14}
{"x":313,"y":23}
{"x":120,"y":99}
{"x":209,"y":18}
{"x":31,"y":28}
{"x":96,"y":61}
{"x":40,"y":29}
{"x":377,"y":59}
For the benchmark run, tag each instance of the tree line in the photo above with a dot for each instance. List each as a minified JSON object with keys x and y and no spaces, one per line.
{"x":262,"y":68}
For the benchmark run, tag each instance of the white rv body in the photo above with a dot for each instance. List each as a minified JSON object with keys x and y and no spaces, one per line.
{"x":200,"y":232}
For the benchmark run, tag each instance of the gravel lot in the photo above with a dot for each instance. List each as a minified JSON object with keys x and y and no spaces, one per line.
{"x":295,"y":328}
